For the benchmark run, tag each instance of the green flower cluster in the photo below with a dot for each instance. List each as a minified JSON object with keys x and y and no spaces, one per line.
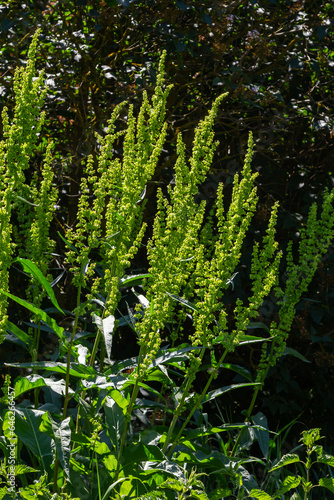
{"x":315,"y":238}
{"x":31,"y":203}
{"x":111,"y":206}
{"x":172,"y":250}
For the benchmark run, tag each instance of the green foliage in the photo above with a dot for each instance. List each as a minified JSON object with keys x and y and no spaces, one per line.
{"x":131,"y":427}
{"x":303,"y":481}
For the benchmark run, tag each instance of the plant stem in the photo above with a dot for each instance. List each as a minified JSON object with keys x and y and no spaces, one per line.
{"x":34,"y":358}
{"x":125,"y":428}
{"x":68,"y":365}
{"x":194,"y":408}
{"x":253,"y":401}
{"x":98,"y":476}
{"x":135,"y":390}
{"x":177,"y":412}
{"x":69,"y":351}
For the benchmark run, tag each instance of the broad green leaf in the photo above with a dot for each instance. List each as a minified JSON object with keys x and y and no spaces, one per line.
{"x":248,"y":480}
{"x":23,"y":469}
{"x":189,"y":458}
{"x":120,"y":400}
{"x":139,"y":452}
{"x":31,"y":268}
{"x":238,"y":369}
{"x":62,"y":437}
{"x":129,"y":487}
{"x":168,"y":467}
{"x":114,"y":420}
{"x":39,"y":313}
{"x":290,"y":458}
{"x":106,"y":327}
{"x":262,"y":435}
{"x":100,"y":447}
{"x":260,"y":495}
{"x":173,"y":355}
{"x":325,"y":458}
{"x":24,"y":384}
{"x":76,"y":370}
{"x":172,"y":484}
{"x":159,"y":374}
{"x":101,"y":382}
{"x":296,"y":354}
{"x":80,"y":439}
{"x":328,"y":483}
{"x":4,"y":491}
{"x":27,"y":424}
{"x":214,"y":460}
{"x":217,"y":392}
{"x":27,"y":383}
{"x":288,"y":484}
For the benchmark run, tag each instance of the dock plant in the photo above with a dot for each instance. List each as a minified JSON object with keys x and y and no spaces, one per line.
{"x":138,"y":427}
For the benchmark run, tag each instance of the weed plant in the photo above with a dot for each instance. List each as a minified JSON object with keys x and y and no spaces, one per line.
{"x":136,"y":427}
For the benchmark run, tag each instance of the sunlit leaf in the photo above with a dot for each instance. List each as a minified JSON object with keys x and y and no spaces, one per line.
{"x":33,"y":270}
{"x":260,"y":495}
{"x":27,"y":424}
{"x":328,"y":483}
{"x":288,"y":484}
{"x":76,"y":369}
{"x":20,"y":334}
{"x":39,"y":313}
{"x":290,"y":458}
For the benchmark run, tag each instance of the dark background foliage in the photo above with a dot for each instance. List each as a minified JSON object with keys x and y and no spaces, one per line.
{"x":276,"y":60}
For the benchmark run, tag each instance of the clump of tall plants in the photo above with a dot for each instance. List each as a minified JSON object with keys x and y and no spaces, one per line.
{"x":137,"y":427}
